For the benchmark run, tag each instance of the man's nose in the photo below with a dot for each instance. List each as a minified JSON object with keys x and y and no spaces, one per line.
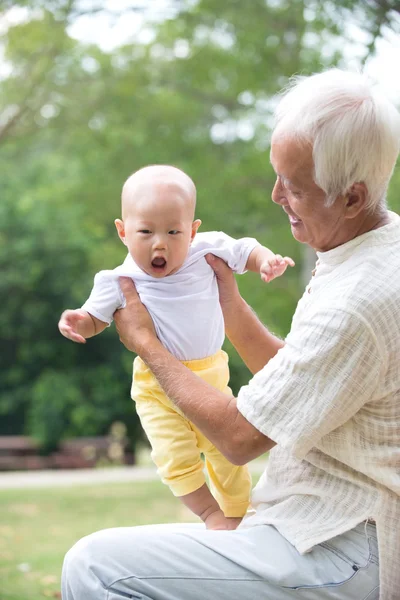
{"x":278,"y":193}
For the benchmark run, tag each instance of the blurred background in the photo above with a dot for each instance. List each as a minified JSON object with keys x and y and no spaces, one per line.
{"x":90,"y":91}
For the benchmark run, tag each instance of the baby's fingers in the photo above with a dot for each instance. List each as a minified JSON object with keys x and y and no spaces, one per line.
{"x":70,"y":334}
{"x":267,"y":278}
{"x":289,"y":261}
{"x":267,"y":273}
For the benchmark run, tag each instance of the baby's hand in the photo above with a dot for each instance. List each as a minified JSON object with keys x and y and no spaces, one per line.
{"x":274,"y":267}
{"x":69,"y":325}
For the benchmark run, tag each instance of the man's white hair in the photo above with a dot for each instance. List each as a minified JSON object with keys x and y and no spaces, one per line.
{"x":353,"y":129}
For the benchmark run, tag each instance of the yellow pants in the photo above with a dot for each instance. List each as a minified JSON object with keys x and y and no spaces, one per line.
{"x":177,"y":444}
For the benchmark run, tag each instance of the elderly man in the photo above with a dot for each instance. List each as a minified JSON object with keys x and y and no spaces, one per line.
{"x":326,"y":401}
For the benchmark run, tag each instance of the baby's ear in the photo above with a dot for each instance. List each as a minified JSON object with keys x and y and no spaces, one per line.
{"x":195,"y":225}
{"x":121,"y":230}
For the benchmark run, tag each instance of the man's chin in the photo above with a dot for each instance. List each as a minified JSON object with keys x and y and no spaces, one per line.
{"x":298,"y":232}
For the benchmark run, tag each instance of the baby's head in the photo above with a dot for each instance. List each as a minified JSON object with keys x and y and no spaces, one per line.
{"x":158,"y":226}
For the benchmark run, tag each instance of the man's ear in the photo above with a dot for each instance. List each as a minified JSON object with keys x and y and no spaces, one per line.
{"x":356,"y":199}
{"x":121,"y":230}
{"x":195,"y":225}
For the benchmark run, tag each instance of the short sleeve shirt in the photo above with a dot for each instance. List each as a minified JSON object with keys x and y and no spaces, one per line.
{"x":330,"y":399}
{"x":184,"y":306}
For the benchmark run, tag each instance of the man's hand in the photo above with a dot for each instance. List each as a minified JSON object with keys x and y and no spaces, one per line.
{"x":69,"y":323}
{"x":134,"y":324}
{"x":255,"y":344}
{"x":229,"y":295}
{"x":274,"y":267}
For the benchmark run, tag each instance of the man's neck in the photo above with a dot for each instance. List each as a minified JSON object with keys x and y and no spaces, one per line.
{"x":358,"y":226}
{"x":373,"y":221}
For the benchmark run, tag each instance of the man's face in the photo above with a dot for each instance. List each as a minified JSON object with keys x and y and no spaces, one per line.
{"x":310,"y":220}
{"x":158,"y":230}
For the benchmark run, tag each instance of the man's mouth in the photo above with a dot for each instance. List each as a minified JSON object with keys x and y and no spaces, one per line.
{"x":293,"y":220}
{"x":158,"y":263}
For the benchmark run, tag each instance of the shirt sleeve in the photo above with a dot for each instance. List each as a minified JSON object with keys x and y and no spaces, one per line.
{"x":105,"y":298}
{"x":234,"y":252}
{"x":327,"y":370}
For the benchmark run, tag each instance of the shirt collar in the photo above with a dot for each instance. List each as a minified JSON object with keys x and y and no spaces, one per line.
{"x":376,"y":237}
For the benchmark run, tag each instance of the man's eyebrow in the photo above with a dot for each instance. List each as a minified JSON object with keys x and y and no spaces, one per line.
{"x":284,"y":179}
{"x":272,"y":165}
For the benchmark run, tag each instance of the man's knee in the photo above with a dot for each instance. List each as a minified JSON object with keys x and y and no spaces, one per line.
{"x":81,"y":569}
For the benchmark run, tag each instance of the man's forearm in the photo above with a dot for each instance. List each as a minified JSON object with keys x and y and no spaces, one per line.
{"x":252,"y":340}
{"x":212,"y":411}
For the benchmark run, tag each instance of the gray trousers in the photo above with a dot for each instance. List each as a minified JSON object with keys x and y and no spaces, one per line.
{"x":187,"y":562}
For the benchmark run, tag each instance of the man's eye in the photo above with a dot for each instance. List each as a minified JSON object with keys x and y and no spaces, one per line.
{"x":144,"y":231}
{"x":173,"y":231}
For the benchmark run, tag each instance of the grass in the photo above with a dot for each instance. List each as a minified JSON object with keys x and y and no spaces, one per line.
{"x":38,"y":526}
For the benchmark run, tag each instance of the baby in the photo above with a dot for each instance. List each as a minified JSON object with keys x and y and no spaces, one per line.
{"x":166,"y":260}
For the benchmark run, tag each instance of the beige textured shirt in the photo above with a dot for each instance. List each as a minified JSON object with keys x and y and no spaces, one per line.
{"x":330,"y":399}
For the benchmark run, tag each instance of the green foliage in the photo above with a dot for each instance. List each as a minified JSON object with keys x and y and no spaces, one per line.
{"x":50,"y":387}
{"x":76,"y":121}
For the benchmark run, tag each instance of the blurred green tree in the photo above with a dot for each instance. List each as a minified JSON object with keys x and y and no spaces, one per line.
{"x":49,"y":388}
{"x":75,"y":121}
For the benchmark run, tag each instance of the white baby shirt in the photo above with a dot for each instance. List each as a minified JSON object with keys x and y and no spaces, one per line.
{"x":184,"y":306}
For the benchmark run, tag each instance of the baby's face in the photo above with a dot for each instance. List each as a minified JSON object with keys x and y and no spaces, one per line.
{"x":158,"y":229}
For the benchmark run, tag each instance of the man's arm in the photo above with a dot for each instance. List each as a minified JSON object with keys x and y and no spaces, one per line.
{"x":252,"y":340}
{"x":212,"y":411}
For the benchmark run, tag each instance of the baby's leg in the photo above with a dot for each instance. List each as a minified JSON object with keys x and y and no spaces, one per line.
{"x":174,"y":445}
{"x":230,"y":484}
{"x":177,"y":456}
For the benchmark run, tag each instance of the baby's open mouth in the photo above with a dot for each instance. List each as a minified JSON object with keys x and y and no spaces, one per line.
{"x":158,"y":263}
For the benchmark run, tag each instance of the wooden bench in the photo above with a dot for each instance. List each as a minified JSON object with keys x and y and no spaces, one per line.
{"x":23,"y":453}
